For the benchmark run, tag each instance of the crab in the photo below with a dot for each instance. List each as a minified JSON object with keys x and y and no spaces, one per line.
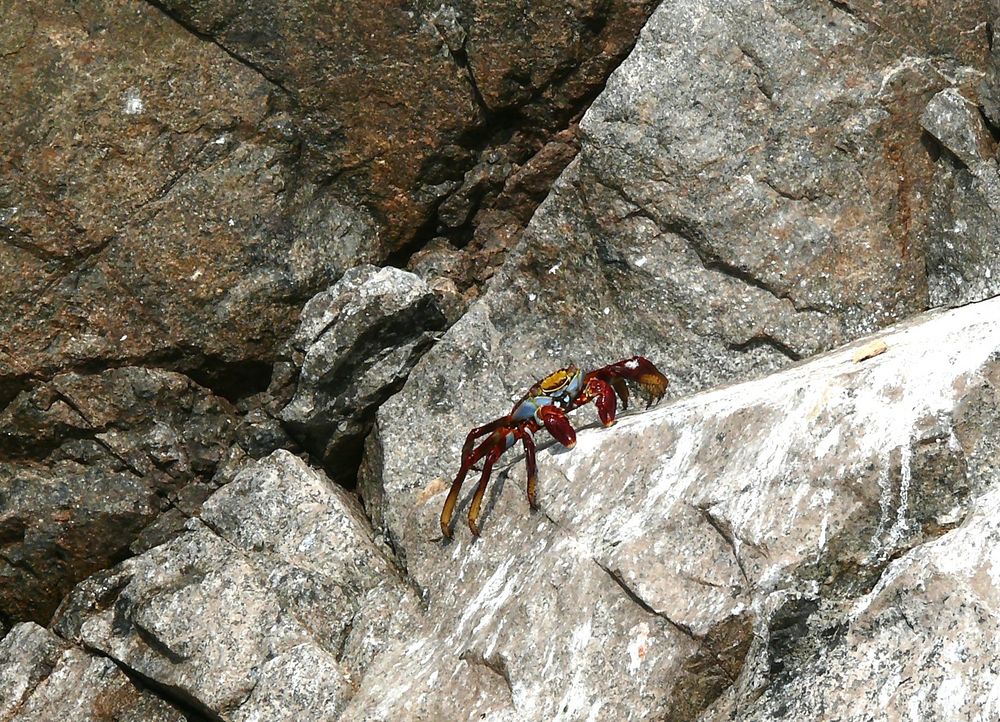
{"x":545,"y":405}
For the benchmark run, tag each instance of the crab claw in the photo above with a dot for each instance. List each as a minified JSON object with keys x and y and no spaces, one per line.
{"x":640,"y":371}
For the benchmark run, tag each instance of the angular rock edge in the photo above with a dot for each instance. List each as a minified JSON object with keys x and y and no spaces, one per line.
{"x":697,"y":560}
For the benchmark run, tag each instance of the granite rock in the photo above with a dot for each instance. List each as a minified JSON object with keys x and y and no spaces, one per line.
{"x":43,"y":678}
{"x":962,"y":265}
{"x":152,"y":210}
{"x":260,"y":606}
{"x":354,"y":347}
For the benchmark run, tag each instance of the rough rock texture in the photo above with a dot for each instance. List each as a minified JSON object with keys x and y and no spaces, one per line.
{"x":746,"y":553}
{"x":753,"y":187}
{"x":43,"y":678}
{"x":276,"y":598}
{"x":187,"y":173}
{"x":921,"y":633}
{"x":760,"y":182}
{"x":354,"y":347}
{"x":151,"y":210}
{"x":423,"y":106}
{"x":86,"y":463}
{"x":965,"y":202}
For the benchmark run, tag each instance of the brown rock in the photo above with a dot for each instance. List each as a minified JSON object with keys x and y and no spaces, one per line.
{"x":150,"y":204}
{"x":86,"y":463}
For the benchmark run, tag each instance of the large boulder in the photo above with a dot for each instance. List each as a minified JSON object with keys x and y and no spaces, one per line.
{"x":781,"y":546}
{"x":270,"y":606}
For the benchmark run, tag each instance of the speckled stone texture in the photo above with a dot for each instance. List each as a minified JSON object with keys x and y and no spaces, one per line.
{"x":756,"y":550}
{"x":276,"y":599}
{"x":151,"y":209}
{"x":43,"y":678}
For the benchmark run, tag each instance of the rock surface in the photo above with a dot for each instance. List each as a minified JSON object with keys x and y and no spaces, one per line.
{"x":42,"y":678}
{"x":151,"y":210}
{"x":965,"y":202}
{"x":87,"y":461}
{"x":424,"y":108}
{"x":753,"y":187}
{"x":354,"y":347}
{"x":276,"y":598}
{"x":750,"y":551}
{"x":174,"y":202}
{"x":760,"y":182}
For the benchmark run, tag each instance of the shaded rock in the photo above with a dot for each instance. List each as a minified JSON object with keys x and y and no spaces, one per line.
{"x":498,"y":223}
{"x":258,"y":606}
{"x":86,"y":463}
{"x":989,"y":88}
{"x":43,"y":678}
{"x":965,"y":203}
{"x":355,"y":345}
{"x":400,"y":102}
{"x":698,"y":555}
{"x":152,"y":209}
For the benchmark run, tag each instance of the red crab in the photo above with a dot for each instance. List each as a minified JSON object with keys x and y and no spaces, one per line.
{"x":546,"y":405}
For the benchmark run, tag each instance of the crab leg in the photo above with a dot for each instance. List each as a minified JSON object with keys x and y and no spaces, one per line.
{"x":528,"y":441}
{"x":468,"y":459}
{"x":477,"y":500}
{"x":484,"y":429}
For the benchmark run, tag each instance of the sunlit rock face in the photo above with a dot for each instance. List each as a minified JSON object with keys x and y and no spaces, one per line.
{"x":43,"y":677}
{"x":273,"y":602}
{"x":795,"y":532}
{"x":720,"y":554}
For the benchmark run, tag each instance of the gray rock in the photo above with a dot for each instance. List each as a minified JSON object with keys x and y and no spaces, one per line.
{"x":989,"y":88}
{"x":87,"y":461}
{"x":958,"y":125}
{"x":43,"y":678}
{"x":256,"y":608}
{"x":710,"y":557}
{"x":962,"y":265}
{"x":354,"y":347}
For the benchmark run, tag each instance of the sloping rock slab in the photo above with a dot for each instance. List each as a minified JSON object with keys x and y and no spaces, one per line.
{"x":43,"y":678}
{"x":276,"y":599}
{"x":693,"y":552}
